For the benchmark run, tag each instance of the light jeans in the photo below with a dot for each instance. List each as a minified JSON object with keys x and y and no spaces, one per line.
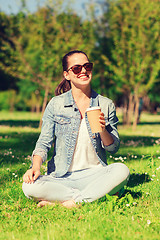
{"x":81,"y":186}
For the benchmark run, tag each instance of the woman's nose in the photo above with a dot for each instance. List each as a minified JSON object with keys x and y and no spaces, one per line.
{"x":83,"y":69}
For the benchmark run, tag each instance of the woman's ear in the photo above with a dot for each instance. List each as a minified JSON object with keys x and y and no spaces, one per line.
{"x":66,"y":75}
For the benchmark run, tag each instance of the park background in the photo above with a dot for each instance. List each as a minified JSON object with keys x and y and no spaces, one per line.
{"x":122,"y":39}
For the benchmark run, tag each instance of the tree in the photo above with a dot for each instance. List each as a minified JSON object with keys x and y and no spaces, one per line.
{"x":6,"y":80}
{"x":134,"y":31}
{"x":154,"y":97}
{"x":40,"y":40}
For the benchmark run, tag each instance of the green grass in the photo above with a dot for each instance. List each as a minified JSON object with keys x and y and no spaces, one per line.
{"x":133,"y":216}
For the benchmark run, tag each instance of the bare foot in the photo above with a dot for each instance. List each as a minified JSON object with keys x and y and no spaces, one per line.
{"x":44,"y":203}
{"x":69,"y":203}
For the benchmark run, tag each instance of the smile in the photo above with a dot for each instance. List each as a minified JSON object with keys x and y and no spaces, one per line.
{"x":83,"y":76}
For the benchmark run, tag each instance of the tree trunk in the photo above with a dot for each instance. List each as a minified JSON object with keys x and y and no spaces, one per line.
{"x":136,"y":112}
{"x":32,"y":108}
{"x":44,"y":104}
{"x":130,"y":109}
{"x":11,"y":108}
{"x":38,"y":104}
{"x":125,"y":111}
{"x":38,"y":108}
{"x":102,"y":81}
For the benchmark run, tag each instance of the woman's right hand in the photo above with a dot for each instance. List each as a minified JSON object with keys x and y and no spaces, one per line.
{"x":31,"y":175}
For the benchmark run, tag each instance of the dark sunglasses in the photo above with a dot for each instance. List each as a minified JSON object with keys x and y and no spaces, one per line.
{"x":78,"y":68}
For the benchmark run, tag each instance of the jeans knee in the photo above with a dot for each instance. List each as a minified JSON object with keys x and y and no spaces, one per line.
{"x":122,"y":171}
{"x":25,"y":188}
{"x":125,"y":173}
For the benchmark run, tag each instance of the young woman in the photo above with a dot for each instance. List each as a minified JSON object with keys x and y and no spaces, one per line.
{"x":78,"y":170}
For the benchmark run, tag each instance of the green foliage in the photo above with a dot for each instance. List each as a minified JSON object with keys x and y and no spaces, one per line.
{"x":8,"y":99}
{"x":133,"y":58}
{"x":123,"y":44}
{"x":154,"y":97}
{"x":39,"y":42}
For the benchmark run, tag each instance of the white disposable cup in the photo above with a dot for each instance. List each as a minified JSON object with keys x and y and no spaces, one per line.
{"x":93,"y":114}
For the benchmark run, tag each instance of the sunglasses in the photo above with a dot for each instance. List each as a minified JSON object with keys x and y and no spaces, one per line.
{"x":78,"y":68}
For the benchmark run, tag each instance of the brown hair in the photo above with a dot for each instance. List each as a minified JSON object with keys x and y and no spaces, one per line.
{"x":65,"y":84}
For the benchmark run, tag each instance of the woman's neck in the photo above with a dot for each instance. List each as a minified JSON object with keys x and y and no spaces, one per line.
{"x":81,"y":93}
{"x":82,"y":99}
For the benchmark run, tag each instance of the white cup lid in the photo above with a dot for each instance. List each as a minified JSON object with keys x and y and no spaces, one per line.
{"x":93,"y":108}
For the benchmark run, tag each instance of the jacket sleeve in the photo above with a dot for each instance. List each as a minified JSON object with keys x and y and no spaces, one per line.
{"x":111,"y":127}
{"x":45,"y":139}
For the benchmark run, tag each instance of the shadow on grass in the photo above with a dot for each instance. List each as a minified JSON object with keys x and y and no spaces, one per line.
{"x":134,"y":194}
{"x":136,"y":141}
{"x":148,"y":123}
{"x":143,"y":123}
{"x":15,"y":145}
{"x":135,"y":180}
{"x":20,"y":123}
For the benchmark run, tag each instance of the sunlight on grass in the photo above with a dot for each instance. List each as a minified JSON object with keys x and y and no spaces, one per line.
{"x":133,"y":216}
{"x":7,"y":129}
{"x":19,"y":115}
{"x":141,"y":130}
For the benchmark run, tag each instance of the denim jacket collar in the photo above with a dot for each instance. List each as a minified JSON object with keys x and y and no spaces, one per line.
{"x":69,"y":101}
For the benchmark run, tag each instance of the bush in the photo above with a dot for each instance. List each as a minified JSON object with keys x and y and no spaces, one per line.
{"x":8,"y":100}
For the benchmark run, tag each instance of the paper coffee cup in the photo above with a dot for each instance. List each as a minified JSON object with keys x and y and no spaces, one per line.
{"x":93,"y":118}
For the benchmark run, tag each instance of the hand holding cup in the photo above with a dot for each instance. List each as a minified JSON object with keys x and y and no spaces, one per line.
{"x":102,"y":121}
{"x":96,"y":119}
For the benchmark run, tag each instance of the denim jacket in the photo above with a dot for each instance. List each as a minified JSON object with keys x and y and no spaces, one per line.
{"x":61,"y":121}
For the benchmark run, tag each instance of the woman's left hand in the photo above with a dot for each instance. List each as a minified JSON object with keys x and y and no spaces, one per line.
{"x":106,"y":137}
{"x":102,"y":121}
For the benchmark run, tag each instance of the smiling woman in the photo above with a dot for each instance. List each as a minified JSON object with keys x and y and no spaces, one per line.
{"x":78,"y":170}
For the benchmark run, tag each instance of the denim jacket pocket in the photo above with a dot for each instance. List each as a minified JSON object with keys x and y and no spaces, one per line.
{"x":62,"y":124}
{"x":62,"y":120}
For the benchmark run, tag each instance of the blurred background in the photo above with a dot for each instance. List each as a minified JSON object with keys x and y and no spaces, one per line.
{"x":121,"y":38}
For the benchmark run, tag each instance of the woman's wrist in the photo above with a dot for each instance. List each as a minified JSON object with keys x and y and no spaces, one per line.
{"x":106,"y":138}
{"x":37,"y":162}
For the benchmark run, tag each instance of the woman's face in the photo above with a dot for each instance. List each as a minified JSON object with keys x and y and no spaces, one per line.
{"x":81,"y":79}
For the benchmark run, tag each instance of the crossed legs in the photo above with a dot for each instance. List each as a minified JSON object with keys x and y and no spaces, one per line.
{"x":84,"y":185}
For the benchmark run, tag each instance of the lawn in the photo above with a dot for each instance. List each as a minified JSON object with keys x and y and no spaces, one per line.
{"x":133,"y":216}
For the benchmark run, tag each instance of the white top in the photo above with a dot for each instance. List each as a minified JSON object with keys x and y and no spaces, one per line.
{"x":84,"y":154}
